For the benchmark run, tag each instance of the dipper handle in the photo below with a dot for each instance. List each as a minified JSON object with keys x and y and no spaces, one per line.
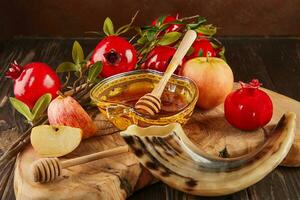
{"x":187,"y":41}
{"x":47,"y":169}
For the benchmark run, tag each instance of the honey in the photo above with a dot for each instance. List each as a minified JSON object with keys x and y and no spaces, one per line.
{"x":117,"y":95}
{"x":171,"y":101}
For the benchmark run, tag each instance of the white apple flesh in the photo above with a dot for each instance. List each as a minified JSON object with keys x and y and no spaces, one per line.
{"x":55,"y":141}
{"x":67,"y":111}
{"x":214,"y":79}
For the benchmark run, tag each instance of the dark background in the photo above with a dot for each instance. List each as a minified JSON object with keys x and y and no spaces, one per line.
{"x":71,"y":18}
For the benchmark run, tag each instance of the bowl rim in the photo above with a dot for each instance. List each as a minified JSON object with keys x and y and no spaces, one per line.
{"x":148,"y":71}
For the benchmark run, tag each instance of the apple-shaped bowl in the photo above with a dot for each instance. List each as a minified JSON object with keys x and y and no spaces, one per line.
{"x":115,"y":97}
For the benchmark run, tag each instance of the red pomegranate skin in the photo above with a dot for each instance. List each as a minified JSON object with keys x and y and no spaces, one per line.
{"x":248,"y":108}
{"x":34,"y":80}
{"x":158,"y":58}
{"x":171,"y":27}
{"x":117,"y":55}
{"x":202,"y":48}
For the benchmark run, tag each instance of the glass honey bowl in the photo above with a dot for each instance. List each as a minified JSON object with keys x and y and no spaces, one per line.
{"x":116,"y":96}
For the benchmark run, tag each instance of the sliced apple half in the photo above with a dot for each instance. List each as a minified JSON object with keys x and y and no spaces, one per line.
{"x":55,"y":141}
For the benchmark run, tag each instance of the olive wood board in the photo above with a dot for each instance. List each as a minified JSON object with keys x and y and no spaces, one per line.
{"x":115,"y":177}
{"x":119,"y":176}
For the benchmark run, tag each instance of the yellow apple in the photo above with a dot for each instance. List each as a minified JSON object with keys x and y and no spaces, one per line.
{"x":55,"y":141}
{"x":213,"y":77}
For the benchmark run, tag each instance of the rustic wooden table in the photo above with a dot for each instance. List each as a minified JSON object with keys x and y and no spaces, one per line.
{"x":274,"y":61}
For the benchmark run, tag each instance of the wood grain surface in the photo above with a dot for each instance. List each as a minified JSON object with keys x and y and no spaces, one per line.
{"x":274,"y":61}
{"x":113,"y":177}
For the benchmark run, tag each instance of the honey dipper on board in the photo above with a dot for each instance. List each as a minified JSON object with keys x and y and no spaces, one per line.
{"x":150,"y":103}
{"x":48,"y":169}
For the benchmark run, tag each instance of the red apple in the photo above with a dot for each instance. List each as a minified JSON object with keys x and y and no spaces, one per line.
{"x":213,"y":77}
{"x":67,"y":111}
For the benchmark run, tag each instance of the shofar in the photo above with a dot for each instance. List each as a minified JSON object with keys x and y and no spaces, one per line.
{"x":174,"y":159}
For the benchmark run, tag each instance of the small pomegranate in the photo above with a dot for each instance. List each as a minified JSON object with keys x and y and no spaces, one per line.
{"x":158,"y":58}
{"x":171,"y":27}
{"x":248,"y":108}
{"x":117,"y":55}
{"x":32,"y":81}
{"x":68,"y":112}
{"x":202,"y":48}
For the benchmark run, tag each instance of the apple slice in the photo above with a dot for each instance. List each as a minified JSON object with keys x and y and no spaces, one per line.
{"x":55,"y":141}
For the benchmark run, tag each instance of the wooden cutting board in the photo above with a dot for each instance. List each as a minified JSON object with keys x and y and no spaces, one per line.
{"x":115,"y":177}
{"x":119,"y":176}
{"x":212,"y":133}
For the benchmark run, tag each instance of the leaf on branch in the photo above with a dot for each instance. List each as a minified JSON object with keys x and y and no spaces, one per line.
{"x":200,"y":21}
{"x":169,"y":38}
{"x":108,"y":27}
{"x":41,"y":105}
{"x":209,"y":29}
{"x":190,"y":51}
{"x":77,"y":53}
{"x":67,"y":67}
{"x":94,"y":71}
{"x":160,"y":20}
{"x":150,"y":34}
{"x":21,"y":108}
{"x":141,"y":41}
{"x":222,"y":53}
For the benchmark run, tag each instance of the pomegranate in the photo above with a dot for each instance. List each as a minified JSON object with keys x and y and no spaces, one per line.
{"x":158,"y":58}
{"x":117,"y":55}
{"x":32,"y":81}
{"x":171,"y":27}
{"x":248,"y":108}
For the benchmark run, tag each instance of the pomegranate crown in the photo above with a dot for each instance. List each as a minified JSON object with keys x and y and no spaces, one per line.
{"x":14,"y":71}
{"x":252,"y":84}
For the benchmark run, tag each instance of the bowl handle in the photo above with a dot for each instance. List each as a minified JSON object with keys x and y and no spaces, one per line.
{"x":119,"y":115}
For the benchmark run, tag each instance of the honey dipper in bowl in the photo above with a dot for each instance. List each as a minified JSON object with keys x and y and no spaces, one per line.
{"x":150,"y":103}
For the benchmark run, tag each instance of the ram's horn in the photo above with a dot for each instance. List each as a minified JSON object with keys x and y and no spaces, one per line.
{"x":174,"y":159}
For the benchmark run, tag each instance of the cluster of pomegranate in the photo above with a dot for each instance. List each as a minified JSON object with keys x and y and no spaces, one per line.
{"x":247,"y":108}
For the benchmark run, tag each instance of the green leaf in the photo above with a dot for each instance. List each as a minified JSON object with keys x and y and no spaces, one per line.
{"x":108,"y":27}
{"x":222,"y":53}
{"x":138,"y":30}
{"x":94,"y":71}
{"x":200,"y":21}
{"x":169,"y":38}
{"x":142,"y":40}
{"x":77,"y":53}
{"x":214,"y":45}
{"x":21,"y":108}
{"x":190,"y":51}
{"x":160,"y":20}
{"x":209,"y":30}
{"x":67,"y":67}
{"x":150,"y":34}
{"x":41,"y":105}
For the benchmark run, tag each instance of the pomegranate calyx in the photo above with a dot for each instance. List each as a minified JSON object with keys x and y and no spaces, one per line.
{"x":113,"y":57}
{"x":254,"y":83}
{"x":14,"y":71}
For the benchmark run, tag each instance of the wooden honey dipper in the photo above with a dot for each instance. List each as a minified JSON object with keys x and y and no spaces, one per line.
{"x":150,"y":102}
{"x":47,"y":169}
